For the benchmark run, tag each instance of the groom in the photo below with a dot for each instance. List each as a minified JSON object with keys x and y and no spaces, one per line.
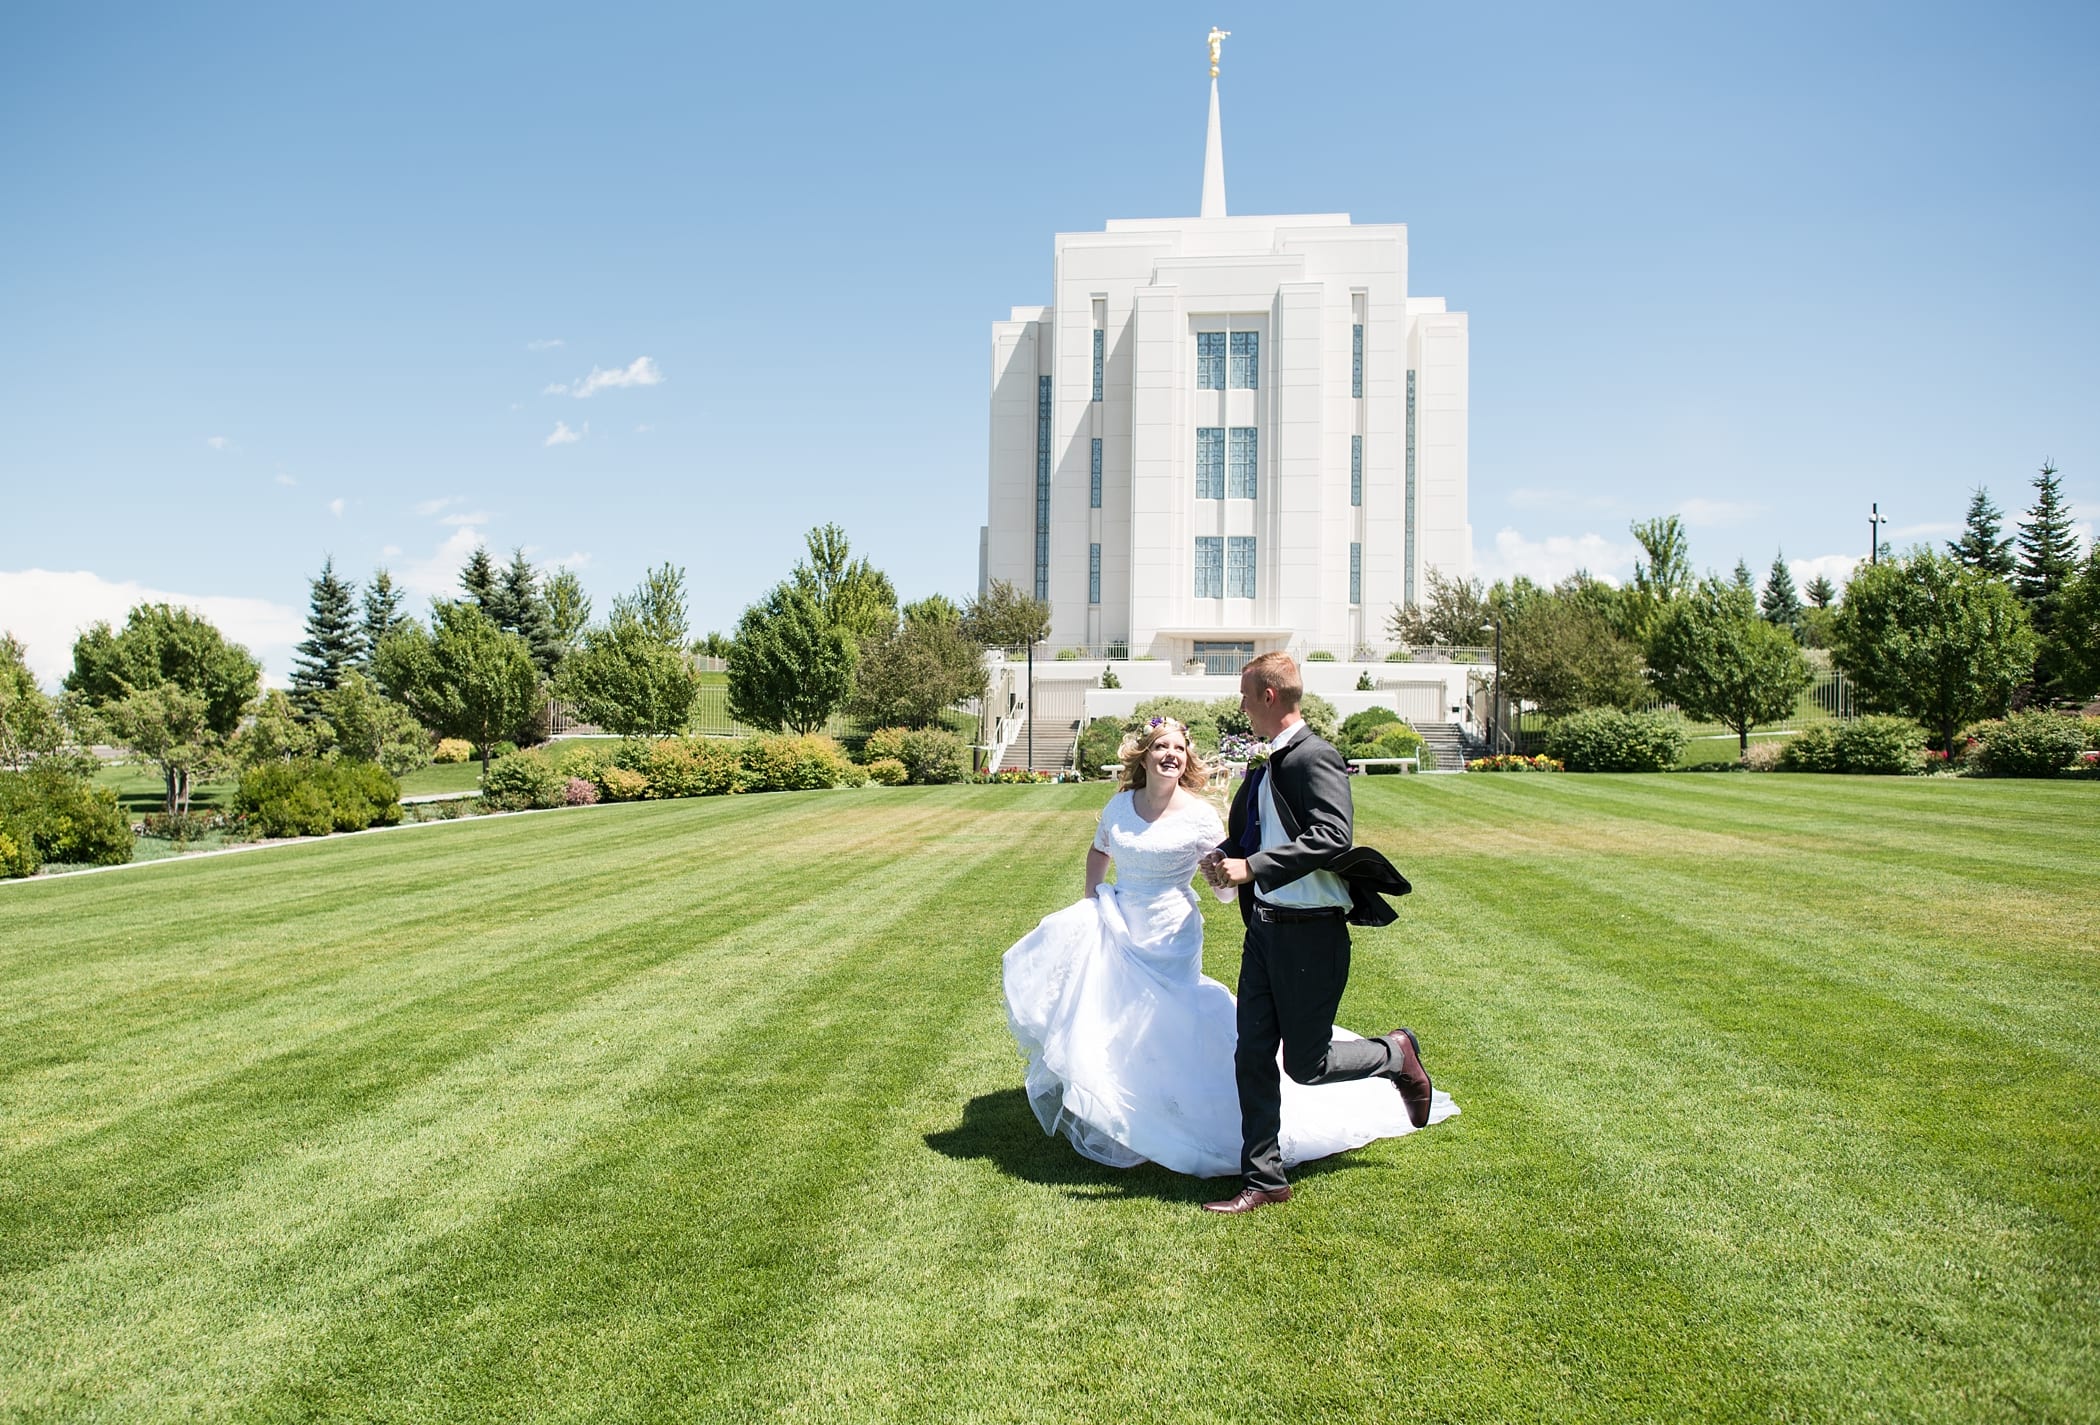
{"x":1288,"y":840}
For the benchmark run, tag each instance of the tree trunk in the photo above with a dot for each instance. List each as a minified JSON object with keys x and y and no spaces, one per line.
{"x":172,"y":804}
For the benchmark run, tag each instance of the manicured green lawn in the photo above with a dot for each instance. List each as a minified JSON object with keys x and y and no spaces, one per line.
{"x":1782,"y":1102}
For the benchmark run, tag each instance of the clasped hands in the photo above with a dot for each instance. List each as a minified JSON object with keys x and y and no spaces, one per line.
{"x":1222,"y":870}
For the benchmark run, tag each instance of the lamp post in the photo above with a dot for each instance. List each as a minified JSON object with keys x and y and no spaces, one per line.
{"x":1875,"y":520}
{"x":1495,"y":698}
{"x":1031,"y":705}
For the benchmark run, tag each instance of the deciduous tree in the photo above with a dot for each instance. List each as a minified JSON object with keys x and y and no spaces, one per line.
{"x":852,"y":593}
{"x":568,"y":608}
{"x":905,"y":680}
{"x":1454,"y":616}
{"x":1931,"y":639}
{"x":626,"y":681}
{"x":657,"y":605}
{"x":1005,"y":617}
{"x":168,"y":686}
{"x":1719,"y":660}
{"x":464,"y":678}
{"x":29,"y":722}
{"x":789,"y":666}
{"x":1560,"y":652}
{"x":371,"y":727}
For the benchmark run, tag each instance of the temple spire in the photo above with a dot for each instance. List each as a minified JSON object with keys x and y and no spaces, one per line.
{"x":1213,"y":163}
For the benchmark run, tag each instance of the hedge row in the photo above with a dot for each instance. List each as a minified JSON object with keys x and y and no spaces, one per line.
{"x":1607,"y":740}
{"x":650,"y":769}
{"x":1879,"y":745}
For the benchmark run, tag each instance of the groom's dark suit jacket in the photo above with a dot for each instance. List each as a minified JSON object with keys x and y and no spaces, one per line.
{"x":1309,"y":782}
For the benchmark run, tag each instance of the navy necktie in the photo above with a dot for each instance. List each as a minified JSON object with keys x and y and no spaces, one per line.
{"x":1250,"y":824}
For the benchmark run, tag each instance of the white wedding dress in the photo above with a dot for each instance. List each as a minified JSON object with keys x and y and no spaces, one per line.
{"x":1129,"y":1045}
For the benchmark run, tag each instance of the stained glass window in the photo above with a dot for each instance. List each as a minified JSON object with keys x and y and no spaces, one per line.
{"x":1210,"y":567}
{"x":1356,"y":470}
{"x":1099,"y":337}
{"x":1093,"y":573}
{"x":1239,"y":567}
{"x":1042,"y":487}
{"x":1408,"y":576}
{"x":1356,"y":362}
{"x":1246,"y":361}
{"x":1356,"y":573}
{"x":1210,"y":462}
{"x":1210,"y":361}
{"x":1093,"y":489}
{"x":1241,"y":462}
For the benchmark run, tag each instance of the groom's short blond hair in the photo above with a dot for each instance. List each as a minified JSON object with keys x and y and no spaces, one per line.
{"x":1278,"y":670}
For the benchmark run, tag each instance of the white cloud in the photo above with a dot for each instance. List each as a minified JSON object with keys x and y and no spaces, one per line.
{"x":1709,"y":514}
{"x":562,"y":435}
{"x":554,"y":389}
{"x":427,"y":508}
{"x":47,"y":609}
{"x":455,"y":518}
{"x":218,"y":442}
{"x":389,"y":551}
{"x":643,"y":430}
{"x":286,"y":480}
{"x":1837,"y":568}
{"x":438,"y":575}
{"x":1549,"y":560}
{"x":642,"y":371}
{"x":544,"y":344}
{"x":336,"y":506}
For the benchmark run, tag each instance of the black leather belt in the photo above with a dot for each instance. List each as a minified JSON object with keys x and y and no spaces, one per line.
{"x":1286,"y":915}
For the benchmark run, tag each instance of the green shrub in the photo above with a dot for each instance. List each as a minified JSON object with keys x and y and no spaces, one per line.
{"x":18,"y":855}
{"x":1068,"y":655}
{"x":1359,"y":727}
{"x":885,"y":742}
{"x":794,"y":764}
{"x":2092,"y":733}
{"x":934,"y":755}
{"x":888,"y":772}
{"x":1229,"y":717}
{"x":2031,"y":744}
{"x":1099,"y":745}
{"x":683,"y":766}
{"x":1881,"y":746}
{"x":1364,"y":683}
{"x":453,"y":749}
{"x":522,"y":782}
{"x":1199,"y":718}
{"x":619,"y":784}
{"x":312,"y":798}
{"x":579,"y":757}
{"x":1812,"y":749}
{"x":1109,"y":678}
{"x":1319,"y":715}
{"x":179,"y":826}
{"x":1319,"y":655}
{"x":66,"y":819}
{"x":502,"y":747}
{"x":1400,"y":655}
{"x":1608,"y":740}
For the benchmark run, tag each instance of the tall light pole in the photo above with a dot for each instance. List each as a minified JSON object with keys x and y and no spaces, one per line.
{"x":1875,"y":520}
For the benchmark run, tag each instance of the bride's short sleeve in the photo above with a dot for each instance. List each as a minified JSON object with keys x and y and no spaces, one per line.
{"x":1101,"y":841}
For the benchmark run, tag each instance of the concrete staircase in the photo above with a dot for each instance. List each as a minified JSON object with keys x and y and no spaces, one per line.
{"x":1054,"y":743}
{"x":1445,"y":743}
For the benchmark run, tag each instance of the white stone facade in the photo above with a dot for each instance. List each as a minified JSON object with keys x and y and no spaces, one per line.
{"x":1130,"y":572}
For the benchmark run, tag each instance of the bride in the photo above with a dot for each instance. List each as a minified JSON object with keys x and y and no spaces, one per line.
{"x":1129,"y":1044}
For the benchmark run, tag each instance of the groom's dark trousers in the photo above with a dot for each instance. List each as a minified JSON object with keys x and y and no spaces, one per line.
{"x":1295,"y":963}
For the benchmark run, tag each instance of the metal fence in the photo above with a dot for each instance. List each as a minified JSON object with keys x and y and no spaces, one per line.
{"x":1508,"y":726}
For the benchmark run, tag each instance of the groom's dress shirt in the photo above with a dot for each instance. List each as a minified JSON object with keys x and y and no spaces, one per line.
{"x":1315,"y":890}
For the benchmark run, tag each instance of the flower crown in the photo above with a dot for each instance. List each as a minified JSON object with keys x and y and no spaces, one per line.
{"x":1157,"y":723}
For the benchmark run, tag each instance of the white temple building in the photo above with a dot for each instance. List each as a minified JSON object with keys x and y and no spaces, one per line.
{"x":1227,"y":434}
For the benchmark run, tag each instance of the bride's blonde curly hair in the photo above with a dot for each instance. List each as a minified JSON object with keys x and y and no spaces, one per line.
{"x":1194,"y":775}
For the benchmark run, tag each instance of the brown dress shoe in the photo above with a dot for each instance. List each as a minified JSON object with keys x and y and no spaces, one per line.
{"x":1248,"y":1199}
{"x":1409,"y":1076}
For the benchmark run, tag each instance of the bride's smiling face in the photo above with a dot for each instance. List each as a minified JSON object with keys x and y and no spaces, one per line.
{"x":1166,"y":759}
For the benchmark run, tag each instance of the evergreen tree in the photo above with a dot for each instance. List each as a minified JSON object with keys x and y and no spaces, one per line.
{"x":333,"y":643}
{"x":480,"y":581}
{"x":1821,"y":592}
{"x":1742,"y":577}
{"x":530,"y":618}
{"x":2048,"y":556}
{"x":1981,"y":547}
{"x":382,"y":615}
{"x":1779,"y":603}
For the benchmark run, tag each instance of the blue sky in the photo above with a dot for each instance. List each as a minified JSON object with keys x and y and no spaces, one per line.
{"x":283,"y":282}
